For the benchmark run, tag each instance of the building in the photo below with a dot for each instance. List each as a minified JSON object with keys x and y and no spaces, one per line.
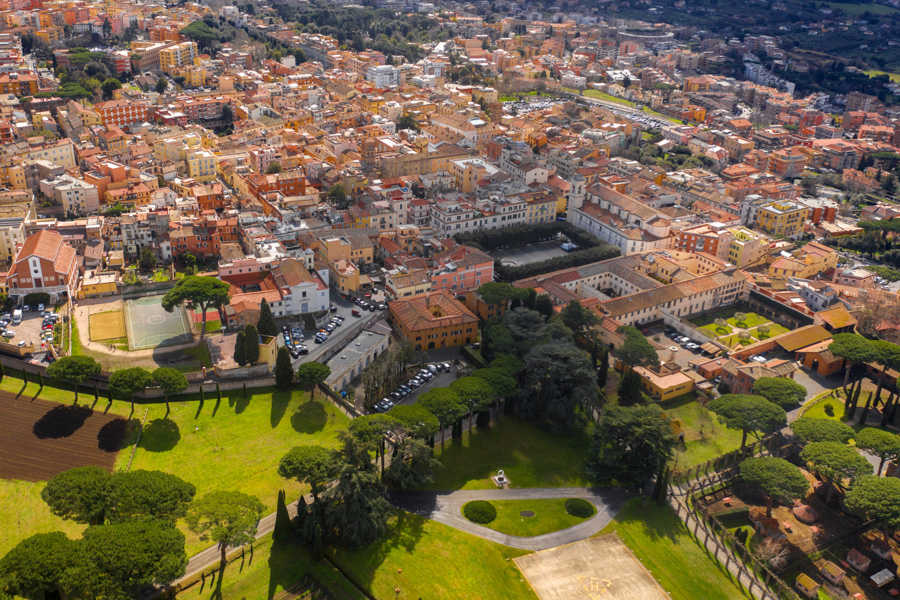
{"x":121,"y":112}
{"x":44,"y":264}
{"x":665,"y":384}
{"x":177,"y":56}
{"x":434,"y":320}
{"x":383,"y":76}
{"x":462,"y":269}
{"x":76,"y":196}
{"x":782,"y":218}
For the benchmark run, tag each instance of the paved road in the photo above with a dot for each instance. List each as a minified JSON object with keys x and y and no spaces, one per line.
{"x":446,"y":508}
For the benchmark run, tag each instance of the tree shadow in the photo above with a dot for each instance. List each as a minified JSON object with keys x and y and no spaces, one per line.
{"x":160,"y":435}
{"x":657,"y":522}
{"x":283,"y":558}
{"x":118,"y":434}
{"x":280,"y":400}
{"x":309,"y":417}
{"x":61,"y":421}
{"x":239,"y":402}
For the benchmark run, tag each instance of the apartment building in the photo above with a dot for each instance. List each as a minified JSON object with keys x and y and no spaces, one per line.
{"x":782,"y":218}
{"x":177,"y":56}
{"x":76,"y":196}
{"x":122,"y":112}
{"x":434,"y":320}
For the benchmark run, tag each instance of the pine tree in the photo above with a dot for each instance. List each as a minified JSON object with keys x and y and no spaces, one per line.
{"x":603,"y":369}
{"x":240,"y":350}
{"x":283,"y":530}
{"x":251,"y":344}
{"x":284,"y":371}
{"x":266,"y":325}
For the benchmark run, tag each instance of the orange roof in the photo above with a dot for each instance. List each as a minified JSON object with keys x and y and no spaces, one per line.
{"x":837,"y":317}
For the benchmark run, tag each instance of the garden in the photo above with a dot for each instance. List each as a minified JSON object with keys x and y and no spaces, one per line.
{"x":527,"y":518}
{"x":734,"y":327}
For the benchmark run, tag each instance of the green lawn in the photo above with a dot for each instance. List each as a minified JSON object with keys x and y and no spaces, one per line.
{"x":235,"y":444}
{"x":855,"y":10}
{"x":608,"y":97}
{"x":425,"y":559}
{"x":27,"y":514}
{"x":895,"y":77}
{"x":274,"y":569}
{"x":160,"y":275}
{"x":774,"y":329}
{"x":733,"y":340}
{"x":211,"y":327}
{"x":662,"y":543}
{"x":530,"y":457}
{"x":752,"y":320}
{"x":549,"y":515}
{"x":705,"y":437}
{"x":716,"y":330}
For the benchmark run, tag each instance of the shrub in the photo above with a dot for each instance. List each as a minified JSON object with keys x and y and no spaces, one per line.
{"x":36,"y":298}
{"x":580,"y":508}
{"x":829,"y":409}
{"x":480,"y":511}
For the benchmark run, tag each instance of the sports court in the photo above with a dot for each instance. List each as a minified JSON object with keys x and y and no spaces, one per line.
{"x":598,"y":568}
{"x":149,"y":325}
{"x":107,"y":325}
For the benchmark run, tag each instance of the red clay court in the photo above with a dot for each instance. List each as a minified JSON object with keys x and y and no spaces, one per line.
{"x":41,"y":439}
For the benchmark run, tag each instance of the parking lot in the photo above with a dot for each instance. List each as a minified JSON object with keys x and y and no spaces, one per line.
{"x":28,"y":332}
{"x":529,"y":254}
{"x":671,"y":350}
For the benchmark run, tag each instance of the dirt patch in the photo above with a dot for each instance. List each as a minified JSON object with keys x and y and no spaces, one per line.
{"x":107,"y":325}
{"x":598,"y":567}
{"x":41,"y":439}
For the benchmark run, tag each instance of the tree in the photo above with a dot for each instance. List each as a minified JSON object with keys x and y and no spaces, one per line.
{"x":888,"y":354}
{"x":407,"y":122}
{"x":525,"y":326}
{"x":811,"y":429}
{"x":635,"y":350}
{"x":876,"y":498}
{"x":750,"y":414}
{"x":784,"y":392}
{"x":356,"y":511}
{"x":161,"y":85}
{"x":273,"y":167}
{"x":284,"y":370}
{"x":835,"y":462}
{"x":853,"y":348}
{"x":315,"y":465}
{"x":559,"y":379}
{"x":251,"y":345}
{"x":371,"y":430}
{"x":80,"y":494}
{"x":125,"y":383}
{"x":630,"y":388}
{"x":240,"y":348}
{"x":226,"y":517}
{"x":337,"y":196}
{"x":312,"y":374}
{"x":412,"y":467}
{"x":154,"y":494}
{"x":883,"y":444}
{"x":544,"y":305}
{"x":266,"y":325}
{"x":74,"y":369}
{"x":148,"y":259}
{"x":578,"y":318}
{"x":444,"y":404}
{"x":283,"y":529}
{"x":512,"y":365}
{"x":170,"y":381}
{"x":121,"y":559}
{"x":777,"y":479}
{"x":203,"y":293}
{"x":477,"y":394}
{"x":630,"y":445}
{"x":35,"y":568}
{"x":503,"y":384}
{"x":415,"y":420}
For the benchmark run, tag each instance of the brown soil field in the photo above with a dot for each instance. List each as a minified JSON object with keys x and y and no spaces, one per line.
{"x":41,"y":439}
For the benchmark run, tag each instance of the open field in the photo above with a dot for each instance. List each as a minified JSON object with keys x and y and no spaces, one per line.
{"x":235,"y":444}
{"x":547,"y":515}
{"x":31,"y":514}
{"x":598,"y":567}
{"x":662,"y":543}
{"x":425,"y":559}
{"x":530,"y":456}
{"x":274,"y":568}
{"x":704,"y":436}
{"x":107,"y":325}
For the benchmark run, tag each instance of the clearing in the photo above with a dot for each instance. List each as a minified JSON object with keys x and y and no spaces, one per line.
{"x":705,"y":437}
{"x":106,"y":325}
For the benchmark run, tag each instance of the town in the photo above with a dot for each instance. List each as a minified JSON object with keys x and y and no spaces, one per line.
{"x":449,"y":300}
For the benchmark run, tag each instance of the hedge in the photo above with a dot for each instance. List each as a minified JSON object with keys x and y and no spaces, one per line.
{"x":480,"y":511}
{"x":579,"y":508}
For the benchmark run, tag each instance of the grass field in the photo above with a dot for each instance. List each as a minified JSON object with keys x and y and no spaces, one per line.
{"x":530,"y":457}
{"x":895,"y":77}
{"x":107,"y":325}
{"x":425,"y":559}
{"x":549,"y":515}
{"x":716,"y":330}
{"x":705,"y":437}
{"x":733,"y":340}
{"x":855,"y":10}
{"x":235,"y":445}
{"x":274,"y":569}
{"x":774,"y":329}
{"x":660,"y":541}
{"x":31,"y":514}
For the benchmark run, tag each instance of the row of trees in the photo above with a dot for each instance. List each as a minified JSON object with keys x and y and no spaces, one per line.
{"x":857,"y":351}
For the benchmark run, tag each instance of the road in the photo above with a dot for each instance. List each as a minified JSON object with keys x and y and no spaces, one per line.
{"x":340,"y":337}
{"x":446,"y":508}
{"x":625,"y":111}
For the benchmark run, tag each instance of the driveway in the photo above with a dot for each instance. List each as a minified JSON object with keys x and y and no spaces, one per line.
{"x":446,"y":508}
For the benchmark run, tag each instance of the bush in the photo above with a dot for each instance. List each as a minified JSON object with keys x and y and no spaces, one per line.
{"x":579,"y":508}
{"x":37,"y":298}
{"x":829,"y":409}
{"x":480,"y":511}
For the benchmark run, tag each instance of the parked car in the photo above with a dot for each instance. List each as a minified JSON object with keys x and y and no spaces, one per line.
{"x":446,"y":367}
{"x":334,"y":308}
{"x":40,"y":308}
{"x":355,"y":312}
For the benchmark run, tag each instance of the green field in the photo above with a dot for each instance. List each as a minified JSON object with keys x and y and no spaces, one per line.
{"x":530,"y":457}
{"x":661,"y":542}
{"x":549,"y":515}
{"x":895,"y":77}
{"x":705,"y":437}
{"x":855,"y":10}
{"x":27,"y":514}
{"x":273,"y":569}
{"x":716,"y":330}
{"x":424,"y":559}
{"x":235,"y":444}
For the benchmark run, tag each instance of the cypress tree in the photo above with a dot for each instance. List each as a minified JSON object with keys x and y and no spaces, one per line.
{"x":251,"y":344}
{"x":284,"y":371}
{"x":283,"y":528}
{"x":240,"y":349}
{"x":266,"y":325}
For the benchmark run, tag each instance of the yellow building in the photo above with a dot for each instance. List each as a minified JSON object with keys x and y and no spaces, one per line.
{"x":665,"y":385}
{"x":808,"y":261}
{"x":782,"y":218}
{"x":194,"y":76}
{"x":62,"y":152}
{"x":201,"y":165}
{"x":405,"y":283}
{"x":346,"y":276}
{"x":95,"y":284}
{"x":14,"y":177}
{"x":176,"y":56}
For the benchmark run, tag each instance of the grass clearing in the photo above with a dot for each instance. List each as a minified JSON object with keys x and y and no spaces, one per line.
{"x":425,"y":559}
{"x":705,"y":437}
{"x":274,"y":569}
{"x":235,"y":444}
{"x":30,"y":516}
{"x":662,"y":543}
{"x":716,"y":330}
{"x":530,"y":457}
{"x":549,"y":515}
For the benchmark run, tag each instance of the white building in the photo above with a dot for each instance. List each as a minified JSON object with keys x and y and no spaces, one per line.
{"x":76,"y":196}
{"x":383,"y":76}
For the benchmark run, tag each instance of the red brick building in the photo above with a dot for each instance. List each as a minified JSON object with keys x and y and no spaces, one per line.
{"x":44,"y":264}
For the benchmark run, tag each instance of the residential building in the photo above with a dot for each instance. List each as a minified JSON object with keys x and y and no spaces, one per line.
{"x":782,"y":218}
{"x":434,"y":320}
{"x":177,"y":56}
{"x":76,"y":196}
{"x":44,"y":264}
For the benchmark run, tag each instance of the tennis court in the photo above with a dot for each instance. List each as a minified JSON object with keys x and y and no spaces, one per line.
{"x":150,"y":326}
{"x":107,"y":325}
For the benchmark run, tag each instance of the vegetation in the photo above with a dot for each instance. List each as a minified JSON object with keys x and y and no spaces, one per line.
{"x":578,"y":507}
{"x":74,"y":369}
{"x":782,"y":391}
{"x":877,"y":498}
{"x":836,"y":463}
{"x":226,"y":518}
{"x":480,"y":511}
{"x":284,"y":370}
{"x":527,"y":518}
{"x":312,"y":374}
{"x":883,"y":444}
{"x":203,"y":293}
{"x":750,"y":414}
{"x":775,"y":478}
{"x":812,"y":429}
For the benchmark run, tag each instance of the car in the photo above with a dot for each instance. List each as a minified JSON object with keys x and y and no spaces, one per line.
{"x":40,"y":308}
{"x":396,"y":395}
{"x":26,"y":308}
{"x":426,"y":374}
{"x":372,"y":308}
{"x":355,"y":313}
{"x":302,"y":349}
{"x":446,"y":366}
{"x":338,"y":318}
{"x":329,"y":328}
{"x":692,"y":346}
{"x":434,"y":368}
{"x":405,"y":389}
{"x":412,"y":384}
{"x":382,"y":306}
{"x":334,"y":308}
{"x":21,"y":343}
